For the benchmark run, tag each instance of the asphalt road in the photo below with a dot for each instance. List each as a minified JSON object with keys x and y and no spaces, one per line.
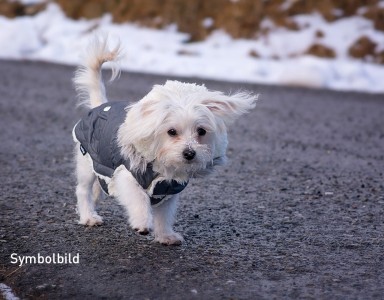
{"x":296,"y":214}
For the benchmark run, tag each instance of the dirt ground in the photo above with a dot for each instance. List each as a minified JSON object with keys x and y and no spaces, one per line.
{"x":296,"y":214}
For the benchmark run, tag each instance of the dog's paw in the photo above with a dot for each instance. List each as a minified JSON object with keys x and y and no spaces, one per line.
{"x":92,"y":220}
{"x":142,"y":227}
{"x":173,"y":238}
{"x":142,"y":231}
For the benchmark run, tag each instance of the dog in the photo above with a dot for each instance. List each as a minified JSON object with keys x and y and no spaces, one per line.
{"x":145,"y":153}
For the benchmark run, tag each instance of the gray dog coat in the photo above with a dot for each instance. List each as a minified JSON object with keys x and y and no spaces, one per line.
{"x":97,"y":135}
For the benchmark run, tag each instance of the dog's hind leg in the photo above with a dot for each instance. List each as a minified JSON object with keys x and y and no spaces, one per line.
{"x":84,"y":192}
{"x":97,"y":193}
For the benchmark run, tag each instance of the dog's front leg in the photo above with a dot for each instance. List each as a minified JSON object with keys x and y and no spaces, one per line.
{"x":164,"y":217}
{"x":131,"y":195}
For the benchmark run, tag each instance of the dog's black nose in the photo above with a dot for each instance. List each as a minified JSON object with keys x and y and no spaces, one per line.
{"x":189,"y":154}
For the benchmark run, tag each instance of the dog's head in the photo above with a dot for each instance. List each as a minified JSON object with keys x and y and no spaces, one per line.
{"x":180,"y":128}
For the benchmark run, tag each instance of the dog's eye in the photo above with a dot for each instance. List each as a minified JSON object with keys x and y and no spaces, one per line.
{"x":201,"y":131}
{"x":172,"y":132}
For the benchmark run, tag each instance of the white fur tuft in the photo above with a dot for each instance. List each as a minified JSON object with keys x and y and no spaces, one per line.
{"x":88,"y":78}
{"x":229,"y":107}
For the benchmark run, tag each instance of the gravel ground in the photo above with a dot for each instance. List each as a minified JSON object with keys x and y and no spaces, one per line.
{"x":297,"y":212}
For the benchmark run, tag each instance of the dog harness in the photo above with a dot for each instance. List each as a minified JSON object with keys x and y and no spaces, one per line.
{"x":97,"y":135}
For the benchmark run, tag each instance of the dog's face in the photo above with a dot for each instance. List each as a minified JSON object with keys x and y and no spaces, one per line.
{"x":180,"y":128}
{"x":188,"y":140}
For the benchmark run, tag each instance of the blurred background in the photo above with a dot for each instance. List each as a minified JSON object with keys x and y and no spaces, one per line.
{"x":334,"y":44}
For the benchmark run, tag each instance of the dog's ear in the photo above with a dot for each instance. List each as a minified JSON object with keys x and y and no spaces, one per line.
{"x":136,"y":134}
{"x":228,"y":108}
{"x":143,"y":121}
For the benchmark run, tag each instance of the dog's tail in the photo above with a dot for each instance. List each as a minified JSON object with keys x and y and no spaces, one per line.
{"x":88,"y":78}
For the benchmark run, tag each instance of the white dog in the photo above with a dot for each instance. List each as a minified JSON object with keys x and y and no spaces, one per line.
{"x":145,"y":153}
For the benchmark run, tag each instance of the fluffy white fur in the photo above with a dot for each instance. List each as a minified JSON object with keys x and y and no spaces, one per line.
{"x":198,"y":117}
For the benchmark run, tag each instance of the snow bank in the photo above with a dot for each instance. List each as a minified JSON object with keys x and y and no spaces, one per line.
{"x":51,"y":36}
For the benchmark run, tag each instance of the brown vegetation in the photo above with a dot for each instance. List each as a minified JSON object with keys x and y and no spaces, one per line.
{"x":321,"y":51}
{"x":14,"y":9}
{"x":239,"y":18}
{"x":366,"y":49}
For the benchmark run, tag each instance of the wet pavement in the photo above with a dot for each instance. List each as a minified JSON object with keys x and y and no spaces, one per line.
{"x":296,"y":214}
